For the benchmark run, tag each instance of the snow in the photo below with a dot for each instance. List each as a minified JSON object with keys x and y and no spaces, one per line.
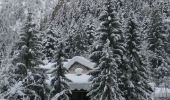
{"x":109,"y":18}
{"x":167,"y":20}
{"x":80,"y":60}
{"x":48,"y":66}
{"x":79,"y":81}
{"x":70,"y":62}
{"x":78,"y":78}
{"x":49,"y":78}
{"x":161,"y":92}
{"x":58,"y":95}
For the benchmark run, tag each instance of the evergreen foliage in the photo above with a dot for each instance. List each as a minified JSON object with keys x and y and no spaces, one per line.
{"x":49,"y":45}
{"x":135,"y":74}
{"x":128,"y":56}
{"x":26,"y":59}
{"x":76,"y":43}
{"x":107,"y":54}
{"x":59,"y":83}
{"x":157,"y":38}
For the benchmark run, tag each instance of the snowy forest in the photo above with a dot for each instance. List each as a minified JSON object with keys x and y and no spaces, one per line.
{"x":128,"y":40}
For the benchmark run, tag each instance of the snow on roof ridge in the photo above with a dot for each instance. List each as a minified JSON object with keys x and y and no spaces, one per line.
{"x":80,"y":60}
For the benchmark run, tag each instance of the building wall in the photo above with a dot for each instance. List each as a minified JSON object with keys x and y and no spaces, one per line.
{"x":78,"y":65}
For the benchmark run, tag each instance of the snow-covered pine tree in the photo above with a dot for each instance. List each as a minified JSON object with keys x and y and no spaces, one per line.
{"x":90,"y":31}
{"x":49,"y":44}
{"x":59,"y":83}
{"x":157,"y":39}
{"x":107,"y":54}
{"x":135,"y":80}
{"x":27,"y":58}
{"x":76,"y":43}
{"x":2,"y":52}
{"x":104,"y":85}
{"x":29,"y":46}
{"x":91,"y":37}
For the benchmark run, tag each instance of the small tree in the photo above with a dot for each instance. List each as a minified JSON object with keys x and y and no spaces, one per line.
{"x":59,"y":83}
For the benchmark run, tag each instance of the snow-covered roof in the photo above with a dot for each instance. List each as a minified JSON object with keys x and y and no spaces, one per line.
{"x":78,"y":78}
{"x":80,"y":60}
{"x":79,"y":81}
{"x":48,"y":66}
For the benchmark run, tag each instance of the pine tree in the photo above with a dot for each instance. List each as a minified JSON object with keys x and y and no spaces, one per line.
{"x":49,"y":44}
{"x":60,"y":88}
{"x":2,"y":52}
{"x":90,"y":31}
{"x":157,"y":39}
{"x":29,"y":46}
{"x":27,"y":58}
{"x":107,"y":54}
{"x":104,"y":85}
{"x":135,"y":81}
{"x":76,"y":43}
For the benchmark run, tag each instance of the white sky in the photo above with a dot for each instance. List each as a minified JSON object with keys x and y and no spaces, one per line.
{"x":0,"y":5}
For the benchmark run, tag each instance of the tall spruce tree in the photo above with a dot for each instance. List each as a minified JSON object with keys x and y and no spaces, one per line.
{"x":157,"y":39}
{"x":29,"y":47}
{"x":30,"y":84}
{"x":135,"y":80}
{"x":49,"y":44}
{"x":60,"y":88}
{"x":107,"y":54}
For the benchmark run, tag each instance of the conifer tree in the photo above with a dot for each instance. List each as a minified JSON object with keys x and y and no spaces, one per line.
{"x":27,"y":58}
{"x":2,"y":52}
{"x":29,"y":46}
{"x":157,"y":38}
{"x":60,"y":88}
{"x":135,"y":80}
{"x":90,"y":31}
{"x":104,"y":85}
{"x":49,"y":44}
{"x":76,"y":43}
{"x":107,"y":54}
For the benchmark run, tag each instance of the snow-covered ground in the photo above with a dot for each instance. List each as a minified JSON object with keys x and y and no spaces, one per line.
{"x":161,"y":92}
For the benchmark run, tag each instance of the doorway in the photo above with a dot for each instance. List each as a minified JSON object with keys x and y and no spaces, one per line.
{"x":79,"y":95}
